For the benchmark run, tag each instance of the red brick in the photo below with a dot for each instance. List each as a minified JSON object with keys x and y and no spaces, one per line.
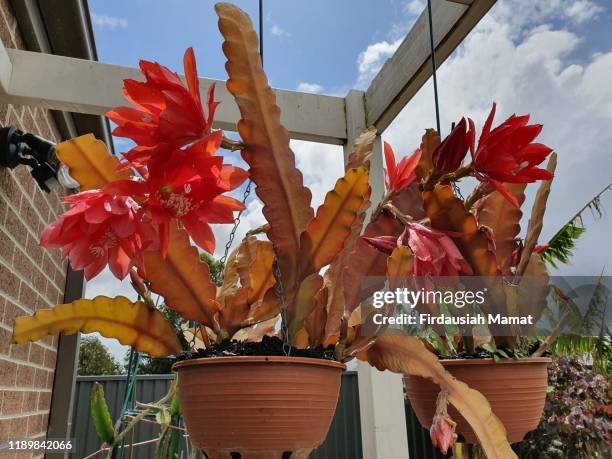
{"x":25,"y":375}
{"x":40,"y":378}
{"x":34,"y":424}
{"x":44,"y":401}
{"x":30,"y":217}
{"x":8,"y":373}
{"x":8,"y":248}
{"x":19,"y":427}
{"x":50,"y":378}
{"x":5,"y":429}
{"x":50,"y":358}
{"x":28,"y":297}
{"x":12,"y":402}
{"x":5,"y":341}
{"x":11,"y":312}
{"x":37,"y":354}
{"x":16,"y":228}
{"x":34,"y":250}
{"x":20,"y":352}
{"x":9,"y":282}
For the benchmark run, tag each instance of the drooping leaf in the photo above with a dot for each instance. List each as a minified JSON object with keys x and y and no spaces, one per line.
{"x":254,"y":266}
{"x":399,"y":267}
{"x":325,"y":235}
{"x":366,"y":267}
{"x":362,"y":150}
{"x":335,"y":305}
{"x":133,"y":324}
{"x":100,"y":415}
{"x":408,"y":355}
{"x":504,"y":219}
{"x":89,"y":162}
{"x":272,"y":163}
{"x":182,"y":279}
{"x":534,"y":228}
{"x":316,"y":321}
{"x":305,"y":300}
{"x":534,"y":288}
{"x":429,"y":143}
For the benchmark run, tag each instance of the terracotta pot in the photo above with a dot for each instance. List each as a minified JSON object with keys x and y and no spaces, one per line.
{"x":516,"y":390}
{"x":258,"y":405}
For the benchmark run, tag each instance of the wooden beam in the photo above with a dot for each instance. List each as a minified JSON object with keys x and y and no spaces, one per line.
{"x":410,"y":67}
{"x":84,"y":86}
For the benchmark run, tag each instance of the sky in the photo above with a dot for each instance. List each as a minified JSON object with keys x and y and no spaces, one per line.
{"x":549,"y":58}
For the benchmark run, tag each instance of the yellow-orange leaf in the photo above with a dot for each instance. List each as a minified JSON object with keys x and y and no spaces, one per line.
{"x":89,"y":162}
{"x":258,"y":331}
{"x":399,"y":267}
{"x":429,"y":143}
{"x":447,"y":212}
{"x":325,"y":235}
{"x":272,"y":163}
{"x":305,"y":301}
{"x":504,"y":220}
{"x":183,"y":279}
{"x":133,"y":324}
{"x":316,"y":321}
{"x":254,"y":266}
{"x":408,"y":355}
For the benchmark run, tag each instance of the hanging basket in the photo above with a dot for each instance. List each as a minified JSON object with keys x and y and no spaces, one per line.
{"x":515,"y":388}
{"x":258,"y":406}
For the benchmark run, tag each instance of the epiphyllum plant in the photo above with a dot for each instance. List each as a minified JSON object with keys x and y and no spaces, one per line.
{"x":138,"y":217}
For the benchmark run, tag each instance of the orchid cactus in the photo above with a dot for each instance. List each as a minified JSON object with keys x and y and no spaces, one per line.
{"x":139,"y":216}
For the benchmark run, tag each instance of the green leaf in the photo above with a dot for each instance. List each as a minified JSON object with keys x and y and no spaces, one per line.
{"x":175,"y":405}
{"x":100,"y":415}
{"x":163,"y":417}
{"x":489,"y":347}
{"x":503,"y":353}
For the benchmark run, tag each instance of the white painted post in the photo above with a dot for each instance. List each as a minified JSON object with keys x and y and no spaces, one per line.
{"x":381,"y":394}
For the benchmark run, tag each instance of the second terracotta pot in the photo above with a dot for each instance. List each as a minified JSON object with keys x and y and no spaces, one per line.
{"x":516,"y":390}
{"x":258,"y":406}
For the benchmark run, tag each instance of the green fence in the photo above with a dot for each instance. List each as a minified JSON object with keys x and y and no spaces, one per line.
{"x":343,"y":440}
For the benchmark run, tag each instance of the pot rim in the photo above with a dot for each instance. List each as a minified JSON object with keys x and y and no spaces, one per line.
{"x":510,"y":361}
{"x":260,"y":359}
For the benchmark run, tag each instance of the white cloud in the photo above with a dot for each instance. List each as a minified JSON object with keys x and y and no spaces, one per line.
{"x":372,"y":59}
{"x":415,"y":7}
{"x":529,"y":68}
{"x":106,"y":22}
{"x":309,"y":87}
{"x":583,"y":10}
{"x":279,"y":32}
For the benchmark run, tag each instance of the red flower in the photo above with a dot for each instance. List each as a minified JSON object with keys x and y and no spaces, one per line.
{"x":434,"y":252}
{"x":400,"y":175}
{"x":508,"y":154}
{"x":166,"y":111}
{"x":99,"y":230}
{"x":448,"y":156}
{"x":442,"y":433}
{"x":187,"y":185}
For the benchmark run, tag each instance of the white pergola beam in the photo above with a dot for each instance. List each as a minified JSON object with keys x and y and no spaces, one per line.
{"x":83,"y":86}
{"x":409,"y":68}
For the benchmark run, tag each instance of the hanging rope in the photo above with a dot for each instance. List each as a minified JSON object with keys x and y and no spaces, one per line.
{"x":434,"y":67}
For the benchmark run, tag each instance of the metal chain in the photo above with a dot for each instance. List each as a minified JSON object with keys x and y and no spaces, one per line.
{"x":232,"y":234}
{"x":278,"y":289}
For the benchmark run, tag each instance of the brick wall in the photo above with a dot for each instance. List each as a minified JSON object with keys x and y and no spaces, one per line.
{"x":30,"y":278}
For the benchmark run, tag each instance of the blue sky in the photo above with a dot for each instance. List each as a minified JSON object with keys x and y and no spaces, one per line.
{"x":550,"y":58}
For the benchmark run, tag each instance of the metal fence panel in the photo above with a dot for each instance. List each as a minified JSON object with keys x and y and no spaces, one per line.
{"x":343,"y":440}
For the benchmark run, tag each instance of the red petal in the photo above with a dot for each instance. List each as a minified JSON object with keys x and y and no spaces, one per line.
{"x":201,"y":234}
{"x":486,"y":129}
{"x":191,"y":75}
{"x":505,"y":193}
{"x":390,"y":166}
{"x":386,"y":244}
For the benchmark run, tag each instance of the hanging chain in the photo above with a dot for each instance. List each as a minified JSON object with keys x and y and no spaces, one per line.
{"x":434,"y":66}
{"x":278,"y":289}
{"x":232,"y":235}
